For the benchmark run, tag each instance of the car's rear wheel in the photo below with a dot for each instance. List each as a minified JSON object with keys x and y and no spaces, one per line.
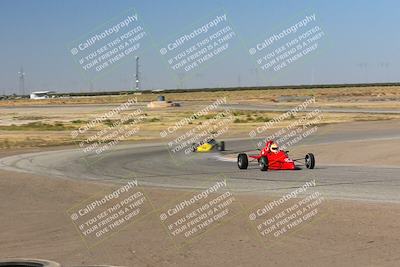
{"x":242,"y":161}
{"x":221,"y":146}
{"x":263,"y":163}
{"x":310,"y":161}
{"x":194,"y":147}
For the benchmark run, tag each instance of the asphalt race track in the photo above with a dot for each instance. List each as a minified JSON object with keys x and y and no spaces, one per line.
{"x":153,"y":165}
{"x":275,"y":108}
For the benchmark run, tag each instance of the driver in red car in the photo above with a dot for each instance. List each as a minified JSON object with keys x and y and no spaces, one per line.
{"x":277,"y":159}
{"x":274,"y":148}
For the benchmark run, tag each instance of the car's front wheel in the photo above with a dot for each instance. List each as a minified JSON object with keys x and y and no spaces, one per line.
{"x":263,"y":163}
{"x":310,"y":161}
{"x":242,"y":161}
{"x":221,"y":146}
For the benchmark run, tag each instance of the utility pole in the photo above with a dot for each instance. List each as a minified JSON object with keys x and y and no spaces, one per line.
{"x":21,"y":78}
{"x":137,"y":74}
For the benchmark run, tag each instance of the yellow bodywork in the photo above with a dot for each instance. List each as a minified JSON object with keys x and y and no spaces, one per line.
{"x":204,"y":147}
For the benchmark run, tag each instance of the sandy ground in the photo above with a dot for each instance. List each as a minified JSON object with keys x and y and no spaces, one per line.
{"x":34,"y":123}
{"x":35,"y":224}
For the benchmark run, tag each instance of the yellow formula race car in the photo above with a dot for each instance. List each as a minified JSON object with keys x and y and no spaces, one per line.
{"x":208,"y":146}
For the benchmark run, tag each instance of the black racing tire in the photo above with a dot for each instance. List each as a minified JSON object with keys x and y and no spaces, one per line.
{"x":263,"y":163}
{"x":242,"y":161}
{"x":212,"y":142}
{"x":221,"y":146}
{"x":28,"y":263}
{"x":194,"y":147}
{"x":309,"y":161}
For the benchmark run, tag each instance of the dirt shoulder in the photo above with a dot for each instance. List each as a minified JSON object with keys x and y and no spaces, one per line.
{"x":35,"y":224}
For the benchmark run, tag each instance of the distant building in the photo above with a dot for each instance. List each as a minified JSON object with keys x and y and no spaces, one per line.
{"x":41,"y":94}
{"x":161,"y":103}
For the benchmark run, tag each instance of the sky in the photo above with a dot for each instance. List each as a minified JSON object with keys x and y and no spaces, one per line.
{"x":353,"y":41}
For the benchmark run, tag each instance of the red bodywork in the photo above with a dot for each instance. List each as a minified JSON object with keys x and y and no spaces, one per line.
{"x":276,"y":161}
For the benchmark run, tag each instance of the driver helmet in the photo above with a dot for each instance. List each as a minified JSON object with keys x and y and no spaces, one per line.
{"x":274,"y":147}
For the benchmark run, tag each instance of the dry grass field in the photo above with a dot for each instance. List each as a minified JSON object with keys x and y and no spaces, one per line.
{"x":345,"y":96}
{"x":36,"y":123}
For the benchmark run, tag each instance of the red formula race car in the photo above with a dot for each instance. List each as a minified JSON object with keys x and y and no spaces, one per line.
{"x":272,"y":158}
